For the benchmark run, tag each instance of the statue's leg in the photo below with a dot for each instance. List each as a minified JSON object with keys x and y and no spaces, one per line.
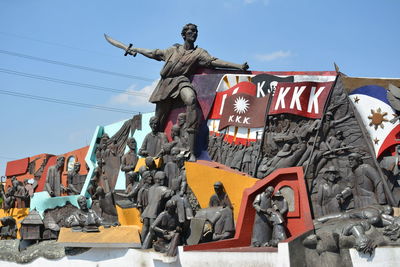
{"x":188,"y":97}
{"x":162,"y":112}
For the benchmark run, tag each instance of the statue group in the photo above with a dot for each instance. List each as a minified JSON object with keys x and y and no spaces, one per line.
{"x":352,"y":195}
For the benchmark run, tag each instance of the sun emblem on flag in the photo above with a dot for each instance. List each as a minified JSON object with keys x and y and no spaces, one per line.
{"x":377,"y":118}
{"x":241,"y":105}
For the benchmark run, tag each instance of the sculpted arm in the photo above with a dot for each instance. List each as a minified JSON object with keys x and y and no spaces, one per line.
{"x":150,"y":53}
{"x":218,"y":63}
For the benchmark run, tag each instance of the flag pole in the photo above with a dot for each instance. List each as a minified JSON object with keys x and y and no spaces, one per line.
{"x":266,"y":119}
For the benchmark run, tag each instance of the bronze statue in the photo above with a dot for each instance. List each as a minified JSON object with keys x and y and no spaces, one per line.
{"x":8,"y":228}
{"x":181,"y":61}
{"x":390,"y":166}
{"x":366,"y":187}
{"x":154,"y":141}
{"x":167,"y":229}
{"x":73,"y":178}
{"x":129,"y":159}
{"x":262,"y":229}
{"x":220,"y":198}
{"x":53,"y":179}
{"x":84,"y":219}
{"x":157,"y":194}
{"x":328,"y":189}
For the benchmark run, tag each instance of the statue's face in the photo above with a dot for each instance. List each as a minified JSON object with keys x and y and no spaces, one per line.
{"x":82,"y":203}
{"x":181,"y":120}
{"x":77,"y":167}
{"x":132,"y":144}
{"x":353,"y":163}
{"x":190,"y":34}
{"x":331,"y":176}
{"x":154,"y":126}
{"x":60,"y":162}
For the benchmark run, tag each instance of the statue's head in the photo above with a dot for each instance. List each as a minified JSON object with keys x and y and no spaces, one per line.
{"x":189,"y":32}
{"x":355,"y":159}
{"x":175,"y":130}
{"x":181,"y":120}
{"x":175,"y":152}
{"x":269,"y":190}
{"x":82,"y":203}
{"x":150,"y":163}
{"x":131,"y":143}
{"x":170,"y":206}
{"x":142,"y":169}
{"x":218,"y":187}
{"x":148,"y":179}
{"x":331,"y":173}
{"x":77,"y":166}
{"x":132,"y":176}
{"x":60,"y":161}
{"x":154,"y":123}
{"x":159,"y":177}
{"x":387,"y":209}
{"x":339,"y":135}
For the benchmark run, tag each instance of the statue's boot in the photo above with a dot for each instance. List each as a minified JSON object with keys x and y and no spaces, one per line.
{"x":192,"y":146}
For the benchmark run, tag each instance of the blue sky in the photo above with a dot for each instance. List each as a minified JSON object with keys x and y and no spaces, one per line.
{"x":362,"y":37}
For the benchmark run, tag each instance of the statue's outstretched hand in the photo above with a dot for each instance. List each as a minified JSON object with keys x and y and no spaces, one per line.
{"x":132,"y":51}
{"x":245,"y":66}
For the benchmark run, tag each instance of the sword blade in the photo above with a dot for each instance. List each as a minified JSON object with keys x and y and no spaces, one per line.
{"x":116,"y":43}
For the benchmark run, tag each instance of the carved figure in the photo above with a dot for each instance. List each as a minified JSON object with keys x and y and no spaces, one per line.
{"x":154,"y":141}
{"x":84,"y":219}
{"x":366,"y":187}
{"x":132,"y":189}
{"x":53,"y":179}
{"x":181,"y":61}
{"x":143,"y":193}
{"x":220,"y":198}
{"x":129,"y":159}
{"x":8,"y":228}
{"x":167,"y":229}
{"x":178,"y":184}
{"x":73,"y":179}
{"x":328,"y":189}
{"x":390,"y":166}
{"x":262,"y":229}
{"x":157,"y":195}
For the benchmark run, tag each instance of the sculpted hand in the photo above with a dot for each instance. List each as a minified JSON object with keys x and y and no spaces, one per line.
{"x":245,"y":66}
{"x":132,"y":51}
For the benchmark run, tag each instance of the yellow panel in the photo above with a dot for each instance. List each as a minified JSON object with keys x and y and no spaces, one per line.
{"x":201,"y":179}
{"x":17,"y":214}
{"x":129,"y":217}
{"x":112,"y":235}
{"x":142,"y":163}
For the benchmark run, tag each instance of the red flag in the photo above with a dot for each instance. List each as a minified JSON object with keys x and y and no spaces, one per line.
{"x":244,"y":110}
{"x":305,"y":99}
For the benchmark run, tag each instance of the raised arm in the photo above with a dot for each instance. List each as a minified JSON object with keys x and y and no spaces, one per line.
{"x":150,"y":53}
{"x":218,"y":63}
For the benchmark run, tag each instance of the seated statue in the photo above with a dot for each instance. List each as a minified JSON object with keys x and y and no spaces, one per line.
{"x":84,"y":219}
{"x":167,"y":229}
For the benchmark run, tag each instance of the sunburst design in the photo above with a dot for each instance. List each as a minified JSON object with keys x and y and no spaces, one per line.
{"x":241,"y":105}
{"x":377,"y":118}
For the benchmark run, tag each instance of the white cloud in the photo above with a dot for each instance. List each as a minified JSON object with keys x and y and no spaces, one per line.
{"x":273,"y":56}
{"x":140,"y":102}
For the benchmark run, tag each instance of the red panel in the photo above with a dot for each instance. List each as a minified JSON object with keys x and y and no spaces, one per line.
{"x":299,"y":221}
{"x":52,"y":161}
{"x":17,"y":167}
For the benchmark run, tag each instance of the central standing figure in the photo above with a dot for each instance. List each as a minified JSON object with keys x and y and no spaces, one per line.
{"x":182,"y":61}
